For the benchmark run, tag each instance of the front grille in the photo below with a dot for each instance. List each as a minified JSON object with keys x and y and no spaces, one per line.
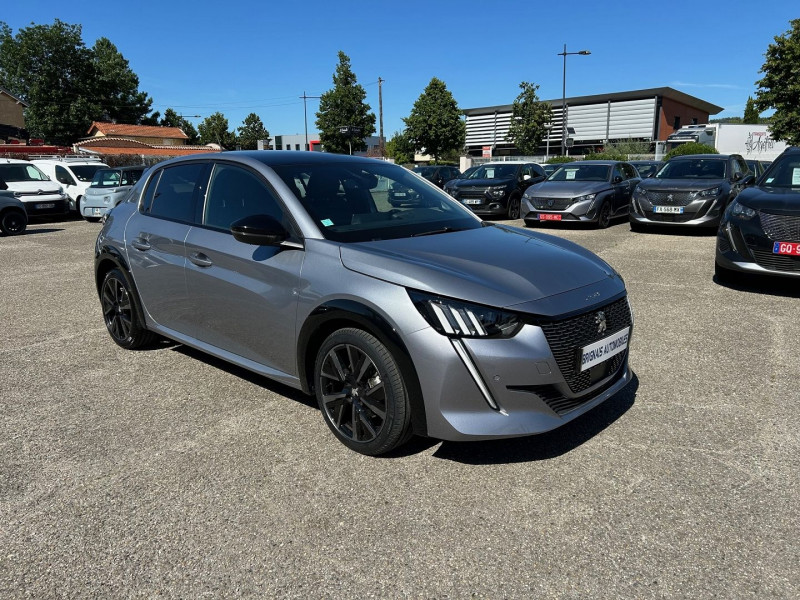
{"x":776,"y":262}
{"x":780,"y":228}
{"x":557,"y":402}
{"x":670,"y":217}
{"x":567,"y":337}
{"x":545,"y":203}
{"x":33,"y":194}
{"x":670,"y":198}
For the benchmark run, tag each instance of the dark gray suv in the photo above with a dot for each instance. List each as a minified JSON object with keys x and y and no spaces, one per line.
{"x":413,"y":320}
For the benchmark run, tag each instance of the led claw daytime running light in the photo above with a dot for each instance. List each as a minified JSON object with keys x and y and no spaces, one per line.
{"x":460,"y":319}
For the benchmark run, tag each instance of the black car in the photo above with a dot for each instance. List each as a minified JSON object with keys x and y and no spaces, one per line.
{"x":647,"y":168}
{"x":760,"y":230}
{"x":593,"y":191}
{"x":495,"y":189}
{"x":438,"y":174}
{"x":690,"y":191}
{"x":757,"y":167}
{"x":13,"y":216}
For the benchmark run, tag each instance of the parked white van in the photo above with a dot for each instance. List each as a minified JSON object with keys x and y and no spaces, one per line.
{"x":28,"y":183}
{"x":75,"y":173}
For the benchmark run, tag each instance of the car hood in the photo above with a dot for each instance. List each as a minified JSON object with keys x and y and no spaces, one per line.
{"x":680,"y":184}
{"x":482,"y":183}
{"x":566,"y":189}
{"x":28,"y":187}
{"x":772,"y":200}
{"x":495,"y":265}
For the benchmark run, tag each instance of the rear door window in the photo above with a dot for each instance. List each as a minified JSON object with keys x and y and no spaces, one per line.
{"x":172,"y":193}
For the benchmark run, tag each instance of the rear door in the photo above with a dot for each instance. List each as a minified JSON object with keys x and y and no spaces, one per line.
{"x":154,"y":241}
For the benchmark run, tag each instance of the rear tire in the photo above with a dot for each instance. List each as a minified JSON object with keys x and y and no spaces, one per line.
{"x":361,"y":392}
{"x":121,"y":312}
{"x":13,"y":221}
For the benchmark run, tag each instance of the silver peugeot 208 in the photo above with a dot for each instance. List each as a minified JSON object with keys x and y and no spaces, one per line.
{"x":418,"y":319}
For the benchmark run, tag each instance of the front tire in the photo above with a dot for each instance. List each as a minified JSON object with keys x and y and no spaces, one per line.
{"x":121,"y":312}
{"x":13,"y":222}
{"x":361,"y":392}
{"x":604,"y":215}
{"x":514,"y":207}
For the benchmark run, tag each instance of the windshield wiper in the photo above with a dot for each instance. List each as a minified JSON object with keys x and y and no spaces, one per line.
{"x":437,"y":231}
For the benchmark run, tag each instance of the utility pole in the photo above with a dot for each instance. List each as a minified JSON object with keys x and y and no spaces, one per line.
{"x":305,"y":114}
{"x":380,"y":112}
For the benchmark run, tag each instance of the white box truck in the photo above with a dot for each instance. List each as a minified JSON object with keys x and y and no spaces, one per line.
{"x":751,"y":141}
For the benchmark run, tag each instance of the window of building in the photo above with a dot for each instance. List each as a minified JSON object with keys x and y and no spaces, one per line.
{"x":676,"y":123}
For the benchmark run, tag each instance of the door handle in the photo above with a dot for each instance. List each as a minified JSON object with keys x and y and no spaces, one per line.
{"x":200,"y":259}
{"x":141,"y":244}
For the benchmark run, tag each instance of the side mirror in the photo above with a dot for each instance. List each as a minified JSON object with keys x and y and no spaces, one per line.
{"x":259,"y":230}
{"x":748,"y":180}
{"x":618,"y":179}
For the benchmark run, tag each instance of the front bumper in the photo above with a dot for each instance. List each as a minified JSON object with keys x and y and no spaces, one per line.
{"x":702,"y":213}
{"x":482,"y":203}
{"x":479,"y":388}
{"x":745,"y":247}
{"x":585,"y":211}
{"x":46,"y":207}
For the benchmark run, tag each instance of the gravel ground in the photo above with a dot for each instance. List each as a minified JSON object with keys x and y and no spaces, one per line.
{"x":165,"y":473}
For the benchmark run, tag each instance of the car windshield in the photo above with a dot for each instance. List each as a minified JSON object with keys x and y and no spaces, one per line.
{"x":783,"y":173}
{"x":84,"y":172}
{"x":21,"y":172}
{"x":350,"y":202}
{"x":425,"y":171}
{"x":106,"y":178}
{"x":494,"y":172}
{"x":575,"y":172}
{"x":645,"y":170}
{"x":694,"y":168}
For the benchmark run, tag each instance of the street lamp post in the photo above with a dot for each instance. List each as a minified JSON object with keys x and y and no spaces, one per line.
{"x":305,"y":115}
{"x":547,"y":127}
{"x":564,"y":97}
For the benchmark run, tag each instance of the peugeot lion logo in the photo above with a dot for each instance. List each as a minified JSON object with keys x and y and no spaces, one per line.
{"x":550,"y":202}
{"x":600,"y":319}
{"x":670,"y":197}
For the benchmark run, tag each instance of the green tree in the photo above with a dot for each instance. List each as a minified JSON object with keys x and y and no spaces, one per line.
{"x":344,"y":106}
{"x":50,"y":68}
{"x":173,"y":119}
{"x":251,"y":131}
{"x":691,"y":148}
{"x":780,"y":86}
{"x":116,"y":86}
{"x":750,"y":111}
{"x":435,"y":123}
{"x":528,"y":119}
{"x":214,"y":130}
{"x":400,"y":148}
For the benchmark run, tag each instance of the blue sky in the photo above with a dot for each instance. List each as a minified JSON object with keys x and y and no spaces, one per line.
{"x":239,"y":57}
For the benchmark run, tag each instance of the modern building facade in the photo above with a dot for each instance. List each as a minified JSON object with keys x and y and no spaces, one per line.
{"x":592,"y":121}
{"x":297,"y":142}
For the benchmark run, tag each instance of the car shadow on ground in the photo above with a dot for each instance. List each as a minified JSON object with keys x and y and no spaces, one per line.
{"x":30,"y":231}
{"x":546,"y":226}
{"x":677,"y":231}
{"x":547,"y":445}
{"x":254,"y":378}
{"x":761,"y":285}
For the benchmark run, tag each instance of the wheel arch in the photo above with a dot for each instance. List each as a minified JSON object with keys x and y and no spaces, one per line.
{"x":338,"y":314}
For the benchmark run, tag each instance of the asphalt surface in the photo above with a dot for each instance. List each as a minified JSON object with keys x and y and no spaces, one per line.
{"x":165,"y":473}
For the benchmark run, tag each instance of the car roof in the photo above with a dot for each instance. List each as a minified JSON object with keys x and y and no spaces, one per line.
{"x":595,"y":162}
{"x":703,"y":156}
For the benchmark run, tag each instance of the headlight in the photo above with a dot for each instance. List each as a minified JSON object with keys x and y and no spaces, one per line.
{"x":707,"y":193}
{"x":454,"y":318}
{"x":585,"y":198}
{"x":741,"y":211}
{"x":497,"y":192}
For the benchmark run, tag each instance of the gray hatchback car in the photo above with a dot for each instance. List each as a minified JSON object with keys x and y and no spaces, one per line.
{"x":413,"y":320}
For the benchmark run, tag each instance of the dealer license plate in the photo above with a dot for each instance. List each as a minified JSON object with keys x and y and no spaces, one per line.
{"x":399,"y":194}
{"x":43,"y":206}
{"x":473,"y":201}
{"x":673,"y":210}
{"x":96,"y":211}
{"x":549,"y":217}
{"x":790,"y":248}
{"x":604,"y":349}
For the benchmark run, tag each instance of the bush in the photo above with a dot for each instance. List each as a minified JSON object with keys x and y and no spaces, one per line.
{"x":691,"y":148}
{"x":557,"y":160}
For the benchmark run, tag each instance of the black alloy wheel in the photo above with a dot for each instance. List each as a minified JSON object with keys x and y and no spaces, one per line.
{"x":13,"y":222}
{"x":120,"y":312}
{"x":604,"y":215}
{"x":514,"y":207}
{"x":361,"y":393}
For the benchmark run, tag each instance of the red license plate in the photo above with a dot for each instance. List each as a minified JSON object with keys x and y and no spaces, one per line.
{"x":547,"y":217}
{"x":790,"y":248}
